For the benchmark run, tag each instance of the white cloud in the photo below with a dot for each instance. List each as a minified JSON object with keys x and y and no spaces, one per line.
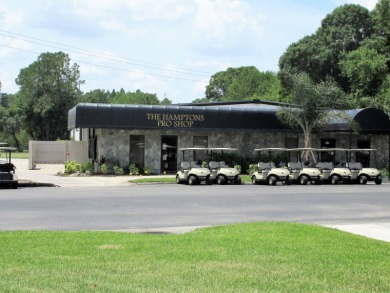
{"x":10,"y":18}
{"x":370,"y":4}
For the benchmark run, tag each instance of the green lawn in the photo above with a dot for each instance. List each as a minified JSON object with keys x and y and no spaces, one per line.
{"x":258,"y":257}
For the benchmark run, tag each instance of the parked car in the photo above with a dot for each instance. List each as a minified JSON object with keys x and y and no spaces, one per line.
{"x":220,"y":172}
{"x":191,"y":172}
{"x":302,"y":172}
{"x":333,"y":171}
{"x":268,"y":172}
{"x":359,"y":173}
{"x":8,"y":178}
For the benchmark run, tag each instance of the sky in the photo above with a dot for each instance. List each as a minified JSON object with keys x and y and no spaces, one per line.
{"x":170,"y":48}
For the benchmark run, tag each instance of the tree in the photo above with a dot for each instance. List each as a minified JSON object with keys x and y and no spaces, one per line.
{"x":49,"y":87}
{"x":10,"y":121}
{"x":365,"y":70}
{"x":137,"y":97}
{"x":341,"y":32}
{"x":243,"y":83}
{"x":314,"y":105}
{"x":96,"y":96}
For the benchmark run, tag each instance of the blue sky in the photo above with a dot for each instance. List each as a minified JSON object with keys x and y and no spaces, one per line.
{"x":167,"y":47}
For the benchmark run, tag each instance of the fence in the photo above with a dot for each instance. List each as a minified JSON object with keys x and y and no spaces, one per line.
{"x":57,"y":152}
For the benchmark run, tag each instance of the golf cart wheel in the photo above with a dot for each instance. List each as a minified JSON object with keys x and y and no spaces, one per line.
{"x":303,"y":180}
{"x":335,"y":179}
{"x":14,"y":186}
{"x":221,"y":180}
{"x":272,"y":180}
{"x":288,"y":180}
{"x":192,"y":180}
{"x":237,"y":181}
{"x":208,"y":181}
{"x":318,"y":181}
{"x":254,"y":180}
{"x":363,"y":179}
{"x":378,"y":181}
{"x":178,"y":181}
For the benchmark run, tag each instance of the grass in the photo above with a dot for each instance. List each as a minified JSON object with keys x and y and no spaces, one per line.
{"x":258,"y":257}
{"x":16,"y":155}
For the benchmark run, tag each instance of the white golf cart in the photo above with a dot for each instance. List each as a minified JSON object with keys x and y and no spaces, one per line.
{"x":268,"y":172}
{"x":362,"y":174}
{"x":302,"y":172}
{"x":220,"y":172}
{"x":333,"y":171}
{"x":8,"y":177}
{"x":192,"y":172}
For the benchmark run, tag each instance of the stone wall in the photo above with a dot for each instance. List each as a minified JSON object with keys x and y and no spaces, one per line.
{"x":114,"y":145}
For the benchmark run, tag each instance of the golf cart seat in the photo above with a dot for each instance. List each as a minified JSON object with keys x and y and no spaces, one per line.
{"x":325,"y":165}
{"x":185,"y":165}
{"x":7,"y":167}
{"x":222,"y":164}
{"x":213,"y":165}
{"x":354,"y":166}
{"x":294,"y":166}
{"x":194,"y":165}
{"x":263,"y":166}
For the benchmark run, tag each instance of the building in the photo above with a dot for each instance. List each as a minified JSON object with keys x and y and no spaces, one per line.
{"x":152,"y":135}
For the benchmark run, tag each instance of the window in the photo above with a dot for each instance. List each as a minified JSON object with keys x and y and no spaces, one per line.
{"x":200,"y":142}
{"x":137,"y":150}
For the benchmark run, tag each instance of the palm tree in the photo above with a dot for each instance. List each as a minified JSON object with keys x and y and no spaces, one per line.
{"x":312,"y":105}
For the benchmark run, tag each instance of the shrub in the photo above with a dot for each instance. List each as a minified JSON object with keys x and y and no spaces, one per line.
{"x":72,"y":167}
{"x":384,"y":172}
{"x":147,"y":170}
{"x":133,"y":169}
{"x":87,"y":167}
{"x":252,"y":169}
{"x":118,"y":170}
{"x":104,"y":168}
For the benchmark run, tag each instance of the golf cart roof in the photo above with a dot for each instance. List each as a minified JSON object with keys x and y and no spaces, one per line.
{"x":222,"y":149}
{"x":331,"y":150}
{"x":193,"y":149}
{"x":361,"y":150}
{"x":302,"y":149}
{"x":270,"y":149}
{"x":10,"y":149}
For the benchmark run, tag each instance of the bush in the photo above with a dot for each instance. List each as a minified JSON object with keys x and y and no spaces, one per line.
{"x":384,"y":172}
{"x":104,"y":168}
{"x":252,"y":169}
{"x":118,"y":170}
{"x":87,"y":167}
{"x":133,"y":169}
{"x":72,"y":167}
{"x":147,"y":170}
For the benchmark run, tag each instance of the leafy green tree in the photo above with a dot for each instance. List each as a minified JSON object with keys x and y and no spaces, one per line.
{"x":242,"y":83}
{"x":10,"y":121}
{"x":49,"y":87}
{"x":365,"y":70}
{"x":137,"y":97}
{"x":341,"y":32}
{"x":166,"y":101}
{"x":313,"y":104}
{"x":96,"y":96}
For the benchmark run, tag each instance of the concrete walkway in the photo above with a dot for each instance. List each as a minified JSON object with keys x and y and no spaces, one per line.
{"x":47,"y":174}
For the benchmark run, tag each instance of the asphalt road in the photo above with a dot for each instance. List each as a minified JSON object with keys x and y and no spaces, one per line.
{"x":159,"y":206}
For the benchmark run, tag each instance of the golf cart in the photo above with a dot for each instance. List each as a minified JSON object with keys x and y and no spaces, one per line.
{"x":191,"y":172}
{"x":267,"y":172}
{"x":302,"y":172}
{"x":222,"y":173}
{"x":361,"y":174}
{"x":8,"y":177}
{"x":331,"y":170}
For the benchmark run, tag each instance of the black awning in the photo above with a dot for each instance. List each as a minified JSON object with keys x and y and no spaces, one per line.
{"x":172,"y":117}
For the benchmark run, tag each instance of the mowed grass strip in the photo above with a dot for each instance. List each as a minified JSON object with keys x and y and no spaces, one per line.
{"x":258,"y":257}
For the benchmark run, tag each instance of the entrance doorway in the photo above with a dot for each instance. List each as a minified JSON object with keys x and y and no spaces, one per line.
{"x":168,"y":154}
{"x":327,"y":143}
